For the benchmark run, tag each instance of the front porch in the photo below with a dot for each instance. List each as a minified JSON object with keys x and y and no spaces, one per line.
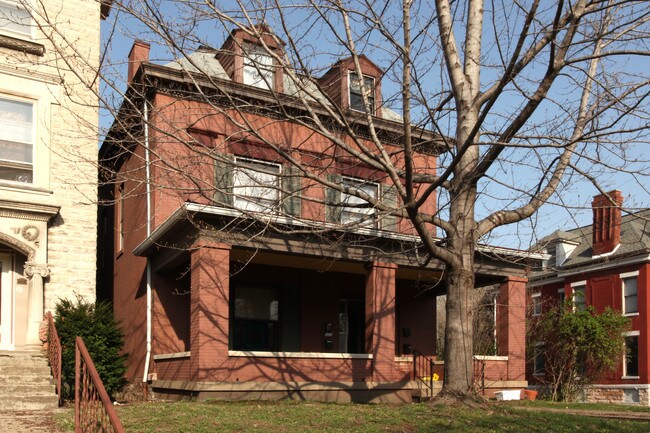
{"x":236,"y":323}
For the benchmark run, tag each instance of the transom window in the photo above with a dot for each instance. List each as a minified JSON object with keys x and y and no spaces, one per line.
{"x":356,"y":209}
{"x":630,"y":294}
{"x":258,"y":67}
{"x":14,"y":18}
{"x":631,"y":364}
{"x":16,"y":140}
{"x":356,"y":93}
{"x":256,"y":185}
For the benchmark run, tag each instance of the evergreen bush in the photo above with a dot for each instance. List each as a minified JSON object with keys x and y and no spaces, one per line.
{"x":103,"y":338}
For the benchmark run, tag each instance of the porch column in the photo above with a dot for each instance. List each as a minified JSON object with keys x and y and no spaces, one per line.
{"x":36,"y":273}
{"x":380,"y":320}
{"x":511,"y":322}
{"x":209,"y":309}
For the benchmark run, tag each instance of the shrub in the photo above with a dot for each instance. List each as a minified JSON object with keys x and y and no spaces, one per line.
{"x":103,"y":338}
{"x":576,"y":347}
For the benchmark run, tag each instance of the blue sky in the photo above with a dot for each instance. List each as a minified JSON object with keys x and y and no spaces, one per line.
{"x":319,"y":46}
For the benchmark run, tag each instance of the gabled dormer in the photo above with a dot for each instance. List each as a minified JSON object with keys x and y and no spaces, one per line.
{"x":247,"y":58}
{"x":344,"y":86}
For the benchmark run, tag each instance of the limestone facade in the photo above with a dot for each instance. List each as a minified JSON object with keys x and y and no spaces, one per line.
{"x":48,"y":159}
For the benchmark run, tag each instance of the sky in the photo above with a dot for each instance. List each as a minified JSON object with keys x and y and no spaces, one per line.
{"x":567,"y":211}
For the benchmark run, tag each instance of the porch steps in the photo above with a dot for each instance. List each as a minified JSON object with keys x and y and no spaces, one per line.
{"x":25,"y":382}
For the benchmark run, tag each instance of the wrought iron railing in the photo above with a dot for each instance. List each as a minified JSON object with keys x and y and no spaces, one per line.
{"x":93,"y":410}
{"x":423,"y":369}
{"x":54,"y":354}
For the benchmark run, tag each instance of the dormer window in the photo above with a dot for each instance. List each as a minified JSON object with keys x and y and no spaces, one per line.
{"x":258,"y":67}
{"x":356,"y":92}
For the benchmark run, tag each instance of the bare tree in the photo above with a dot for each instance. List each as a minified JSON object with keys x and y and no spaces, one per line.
{"x":522,"y":100}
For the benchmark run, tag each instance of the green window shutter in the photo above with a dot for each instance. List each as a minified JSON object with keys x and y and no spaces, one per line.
{"x":389,"y":197}
{"x":223,"y":176}
{"x":333,"y":200}
{"x":291,"y":189}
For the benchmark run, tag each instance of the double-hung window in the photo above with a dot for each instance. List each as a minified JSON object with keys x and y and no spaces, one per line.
{"x":258,"y":67}
{"x":579,"y":296}
{"x":356,"y":210}
{"x":256,"y":319}
{"x":539,"y":359}
{"x":630,"y":293}
{"x":15,"y":18}
{"x":356,"y":92}
{"x":631,"y":359}
{"x":16,"y":140}
{"x":256,"y":185}
{"x":536,"y":299}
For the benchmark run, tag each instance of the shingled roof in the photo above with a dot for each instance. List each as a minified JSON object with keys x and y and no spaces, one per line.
{"x":635,"y":240}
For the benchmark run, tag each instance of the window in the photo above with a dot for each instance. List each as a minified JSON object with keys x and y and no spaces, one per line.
{"x":16,"y":141}
{"x":256,"y":185}
{"x":119,"y":203}
{"x":579,"y":296}
{"x":539,"y":362}
{"x":258,"y":67}
{"x":560,"y":296}
{"x":537,"y":303}
{"x":630,"y":293}
{"x":256,"y":324}
{"x":15,"y":18}
{"x":356,"y":209}
{"x":356,"y":98}
{"x":631,"y":360}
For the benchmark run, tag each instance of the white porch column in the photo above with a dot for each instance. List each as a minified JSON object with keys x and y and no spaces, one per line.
{"x":36,"y":273}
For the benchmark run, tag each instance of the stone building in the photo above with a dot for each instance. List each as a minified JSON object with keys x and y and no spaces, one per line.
{"x":49,"y":55}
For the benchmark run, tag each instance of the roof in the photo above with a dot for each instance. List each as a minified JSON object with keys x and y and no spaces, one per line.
{"x":205,"y":61}
{"x":635,"y":240}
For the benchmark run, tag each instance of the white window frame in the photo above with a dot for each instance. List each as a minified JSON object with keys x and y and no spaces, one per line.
{"x":366,"y":217}
{"x":370,"y":96}
{"x":21,"y":164}
{"x":536,"y":299}
{"x":636,"y":334}
{"x":19,"y":5}
{"x":623,"y":277}
{"x":579,"y":285}
{"x":263,"y":75}
{"x":256,"y":203}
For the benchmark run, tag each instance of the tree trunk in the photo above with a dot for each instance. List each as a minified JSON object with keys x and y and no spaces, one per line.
{"x":459,"y":356}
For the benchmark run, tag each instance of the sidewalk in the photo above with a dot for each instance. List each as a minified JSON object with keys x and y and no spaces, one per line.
{"x":610,"y":414}
{"x":39,"y":421}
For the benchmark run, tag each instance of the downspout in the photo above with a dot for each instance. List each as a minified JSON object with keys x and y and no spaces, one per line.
{"x":147,"y":360}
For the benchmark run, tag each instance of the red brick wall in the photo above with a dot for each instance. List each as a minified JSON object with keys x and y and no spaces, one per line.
{"x":511,"y":326}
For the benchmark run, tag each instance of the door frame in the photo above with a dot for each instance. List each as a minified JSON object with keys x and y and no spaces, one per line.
{"x":7,"y":299}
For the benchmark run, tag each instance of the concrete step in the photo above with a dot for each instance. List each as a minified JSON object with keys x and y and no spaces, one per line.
{"x":39,"y":402}
{"x":25,"y":390}
{"x":26,"y":382}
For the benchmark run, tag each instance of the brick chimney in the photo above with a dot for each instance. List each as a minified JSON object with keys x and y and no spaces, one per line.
{"x":607,"y":222}
{"x":139,"y":53}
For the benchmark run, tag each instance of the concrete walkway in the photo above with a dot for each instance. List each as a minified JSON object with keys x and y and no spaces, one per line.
{"x":41,"y":421}
{"x":610,"y":414}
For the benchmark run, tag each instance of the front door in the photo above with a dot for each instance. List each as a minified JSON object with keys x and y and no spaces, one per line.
{"x":6,"y":301}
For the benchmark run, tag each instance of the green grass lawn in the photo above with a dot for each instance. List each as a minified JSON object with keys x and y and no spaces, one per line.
{"x":321,"y":417}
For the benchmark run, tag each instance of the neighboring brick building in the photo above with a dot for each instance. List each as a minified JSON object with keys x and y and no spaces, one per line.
{"x":48,"y":160}
{"x":605,"y":264}
{"x":212,"y":302}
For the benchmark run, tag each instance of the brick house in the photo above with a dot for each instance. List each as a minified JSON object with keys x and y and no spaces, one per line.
{"x":48,"y":160}
{"x":604,"y":264}
{"x":330,"y":302}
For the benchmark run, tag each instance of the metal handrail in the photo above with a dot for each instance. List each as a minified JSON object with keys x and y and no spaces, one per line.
{"x":423,"y":369}
{"x":93,"y":410}
{"x":54,"y":355}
